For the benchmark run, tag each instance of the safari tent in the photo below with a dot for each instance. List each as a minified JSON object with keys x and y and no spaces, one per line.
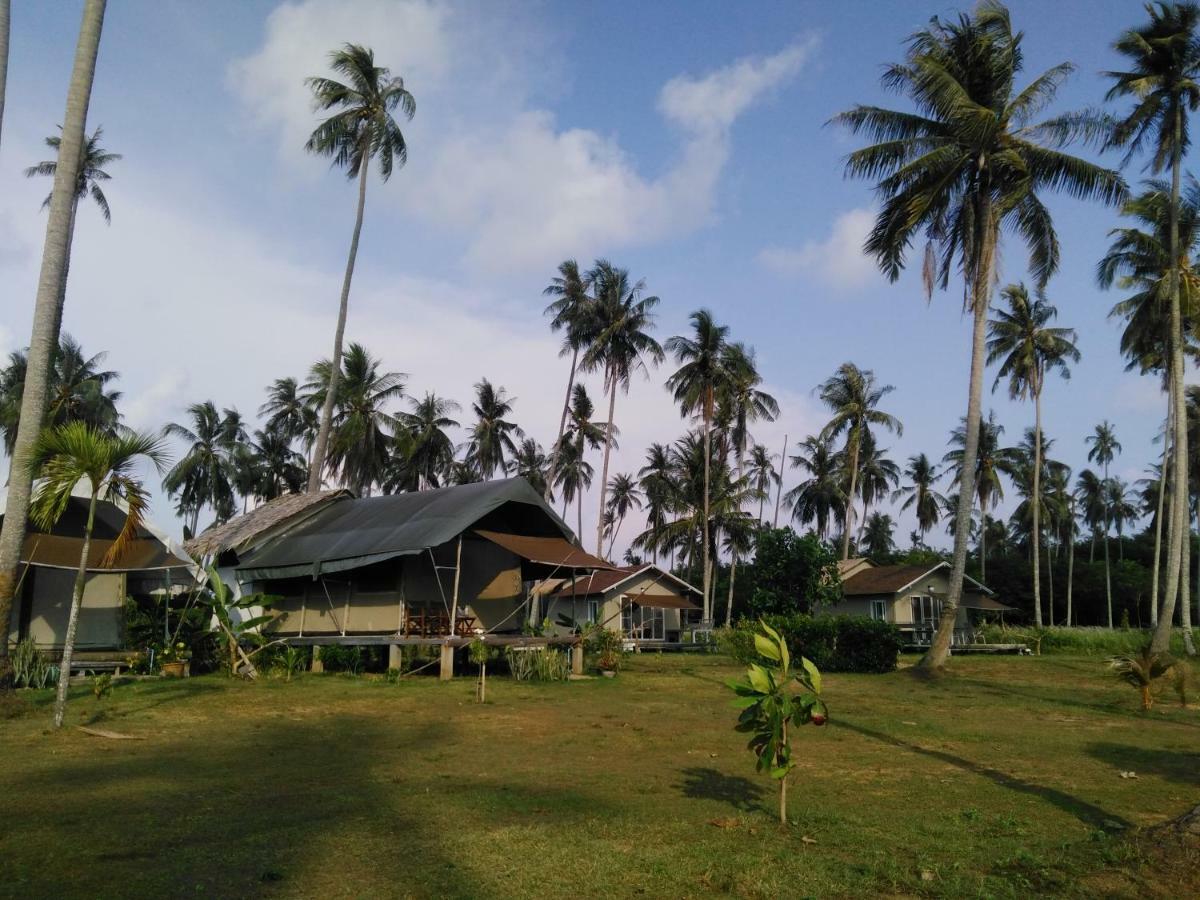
{"x":154,"y":566}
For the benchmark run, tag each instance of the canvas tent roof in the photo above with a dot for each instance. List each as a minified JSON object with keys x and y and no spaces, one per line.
{"x":354,"y":533}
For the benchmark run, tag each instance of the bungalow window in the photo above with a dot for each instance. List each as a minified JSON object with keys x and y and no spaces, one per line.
{"x":925,"y":609}
{"x":879,"y":610}
{"x":593,"y":611}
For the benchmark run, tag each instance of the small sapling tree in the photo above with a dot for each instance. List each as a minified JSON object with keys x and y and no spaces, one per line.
{"x":770,"y":702}
{"x":479,"y":652}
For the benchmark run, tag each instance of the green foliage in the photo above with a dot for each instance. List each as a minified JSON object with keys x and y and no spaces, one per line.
{"x":537,"y":664}
{"x":31,"y":669}
{"x":1143,"y":671}
{"x":292,"y":660}
{"x":478,"y":652}
{"x":102,"y":685}
{"x":792,"y":573}
{"x":608,"y":645}
{"x":769,"y":704}
{"x":833,"y":643}
{"x":1091,"y":641}
{"x":337,"y":658}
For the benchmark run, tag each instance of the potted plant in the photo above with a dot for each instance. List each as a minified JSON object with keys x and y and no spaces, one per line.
{"x":176,"y":661}
{"x":609,"y":647}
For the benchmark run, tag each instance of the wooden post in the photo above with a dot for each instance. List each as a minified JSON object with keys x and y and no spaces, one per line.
{"x":447,"y":661}
{"x":577,"y":657}
{"x":317,"y":665}
{"x":395,"y":657}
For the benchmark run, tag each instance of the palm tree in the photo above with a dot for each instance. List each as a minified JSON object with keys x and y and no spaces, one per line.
{"x":288,"y":412}
{"x":1163,"y":81}
{"x":361,"y":130}
{"x":695,"y":385}
{"x":877,"y":475}
{"x":762,"y":474}
{"x":4,"y":31}
{"x":572,"y":313}
{"x":66,"y":455}
{"x":991,"y":461}
{"x":1027,"y":347}
{"x":822,"y":496}
{"x":280,"y":469}
{"x":431,"y":451}
{"x":620,"y":346}
{"x":1121,"y":509}
{"x":964,"y":166}
{"x":1104,"y":449}
{"x":919,"y":494}
{"x":624,"y":495}
{"x":492,"y":436}
{"x":529,"y":462}
{"x":853,"y":397}
{"x":202,"y":475}
{"x":656,"y":480}
{"x":47,"y":314}
{"x":574,"y":477}
{"x":877,"y":538}
{"x":79,"y":391}
{"x":582,"y":434}
{"x":361,"y":441}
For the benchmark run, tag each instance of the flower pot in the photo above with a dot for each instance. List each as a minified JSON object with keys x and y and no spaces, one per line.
{"x":608,"y":673}
{"x":180,"y":668}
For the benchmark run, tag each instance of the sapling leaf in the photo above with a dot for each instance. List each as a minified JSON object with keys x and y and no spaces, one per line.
{"x":766,"y":647}
{"x":814,"y":675}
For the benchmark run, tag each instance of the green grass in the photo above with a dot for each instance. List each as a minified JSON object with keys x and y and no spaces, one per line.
{"x":1000,"y":780}
{"x":1087,"y":641}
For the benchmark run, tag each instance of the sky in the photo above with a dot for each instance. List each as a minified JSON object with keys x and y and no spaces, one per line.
{"x":687,"y":142}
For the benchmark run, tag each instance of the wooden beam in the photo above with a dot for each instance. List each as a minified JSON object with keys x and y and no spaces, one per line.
{"x":446,"y":671}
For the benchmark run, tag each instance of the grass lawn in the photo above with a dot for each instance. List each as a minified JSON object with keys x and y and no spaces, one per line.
{"x":1000,"y":779}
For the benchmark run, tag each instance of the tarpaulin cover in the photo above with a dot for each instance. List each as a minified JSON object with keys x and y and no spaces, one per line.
{"x":354,"y":533}
{"x":551,"y":551}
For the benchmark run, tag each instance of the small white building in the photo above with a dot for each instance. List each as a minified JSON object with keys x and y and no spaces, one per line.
{"x":645,"y":603}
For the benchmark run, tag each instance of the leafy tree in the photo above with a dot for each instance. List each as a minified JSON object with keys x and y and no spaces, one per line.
{"x":991,"y":461}
{"x":430,"y":451}
{"x":822,"y":496}
{"x":529,"y":463}
{"x":792,"y":573}
{"x":760,"y":469}
{"x":656,"y":481}
{"x":1027,"y":347}
{"x":878,"y":475}
{"x":919,"y":494}
{"x":289,"y":414}
{"x":769,"y":704}
{"x":202,"y":477}
{"x":966,"y":164}
{"x":66,"y":455}
{"x":363,"y":129}
{"x":877,"y":536}
{"x":493,"y":437}
{"x":1104,"y":448}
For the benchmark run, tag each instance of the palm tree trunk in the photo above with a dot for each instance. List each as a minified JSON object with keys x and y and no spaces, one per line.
{"x":1037,"y":502}
{"x":707,"y":462}
{"x":850,"y":495}
{"x":608,"y":432}
{"x":1158,"y":521}
{"x":939,"y":649}
{"x":64,"y":669}
{"x":779,"y":486}
{"x":42,"y":343}
{"x":982,"y":540}
{"x":1070,"y":565}
{"x":1049,"y":584}
{"x":1107,"y":566}
{"x":1185,"y":602}
{"x":1179,"y":447}
{"x":4,"y":29}
{"x":562,"y":425}
{"x":729,"y":599}
{"x":322,"y":446}
{"x":579,"y":510}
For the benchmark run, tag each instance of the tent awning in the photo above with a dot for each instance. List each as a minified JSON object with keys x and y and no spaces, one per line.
{"x":549,"y":551}
{"x":664,"y":601}
{"x":983,"y":601}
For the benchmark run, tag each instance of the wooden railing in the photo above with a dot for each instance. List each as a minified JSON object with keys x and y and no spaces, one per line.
{"x":435,"y":623}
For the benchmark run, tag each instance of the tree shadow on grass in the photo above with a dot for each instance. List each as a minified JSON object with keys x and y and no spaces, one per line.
{"x":1086,"y":812}
{"x":742,"y":794}
{"x":1173,"y":765}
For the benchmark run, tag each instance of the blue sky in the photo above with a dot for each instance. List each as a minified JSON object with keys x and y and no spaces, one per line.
{"x":685,"y":141}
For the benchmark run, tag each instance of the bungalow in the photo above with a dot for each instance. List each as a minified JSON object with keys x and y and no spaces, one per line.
{"x":427,"y":567}
{"x":912,"y":597}
{"x":151,"y":568}
{"x":643,"y":602}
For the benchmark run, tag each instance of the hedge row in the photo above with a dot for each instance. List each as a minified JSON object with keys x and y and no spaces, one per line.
{"x":833,"y":643}
{"x":1076,"y":641}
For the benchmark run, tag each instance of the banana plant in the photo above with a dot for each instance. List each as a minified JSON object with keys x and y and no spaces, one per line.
{"x":239,"y":629}
{"x":773,"y":697}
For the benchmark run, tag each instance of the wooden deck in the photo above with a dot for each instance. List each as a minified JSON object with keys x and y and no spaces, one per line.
{"x":401,"y":640}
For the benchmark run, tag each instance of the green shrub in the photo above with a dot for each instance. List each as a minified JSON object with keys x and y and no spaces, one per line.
{"x":337,"y":658}
{"x":832,"y":643}
{"x":1089,"y":641}
{"x":30,"y":667}
{"x":537,"y":664}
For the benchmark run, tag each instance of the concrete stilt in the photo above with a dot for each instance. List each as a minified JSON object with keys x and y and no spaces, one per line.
{"x":317,"y":665}
{"x":577,"y":659}
{"x":447,"y":669}
{"x":395,"y":657}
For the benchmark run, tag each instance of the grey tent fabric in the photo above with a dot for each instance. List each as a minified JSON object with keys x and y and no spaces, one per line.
{"x":353,"y":533}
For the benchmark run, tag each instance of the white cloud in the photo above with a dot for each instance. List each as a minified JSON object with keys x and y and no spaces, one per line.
{"x":487,"y":162}
{"x":838,"y":261}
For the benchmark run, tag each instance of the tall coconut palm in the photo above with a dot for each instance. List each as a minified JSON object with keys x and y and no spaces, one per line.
{"x":762,"y":474}
{"x":75,"y":453}
{"x":920,"y":495}
{"x":656,"y":481}
{"x":965,"y":165}
{"x":493,"y":437}
{"x":202,"y":476}
{"x":702,"y":375}
{"x":583,"y":433}
{"x":1104,"y":448}
{"x":574,"y":477}
{"x":363,"y":129}
{"x":624,"y":496}
{"x":877,"y":476}
{"x":991,"y":462}
{"x":4,"y":32}
{"x":1162,"y":79}
{"x":47,"y":314}
{"x":571,"y":312}
{"x":877,"y":540}
{"x":288,"y":412}
{"x":821,"y":497}
{"x":1122,"y":510}
{"x":852,"y":396}
{"x":529,"y":462}
{"x":621,"y":346}
{"x":280,"y":469}
{"x":430,"y":451}
{"x":87,"y":183}
{"x":1028,"y":348}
